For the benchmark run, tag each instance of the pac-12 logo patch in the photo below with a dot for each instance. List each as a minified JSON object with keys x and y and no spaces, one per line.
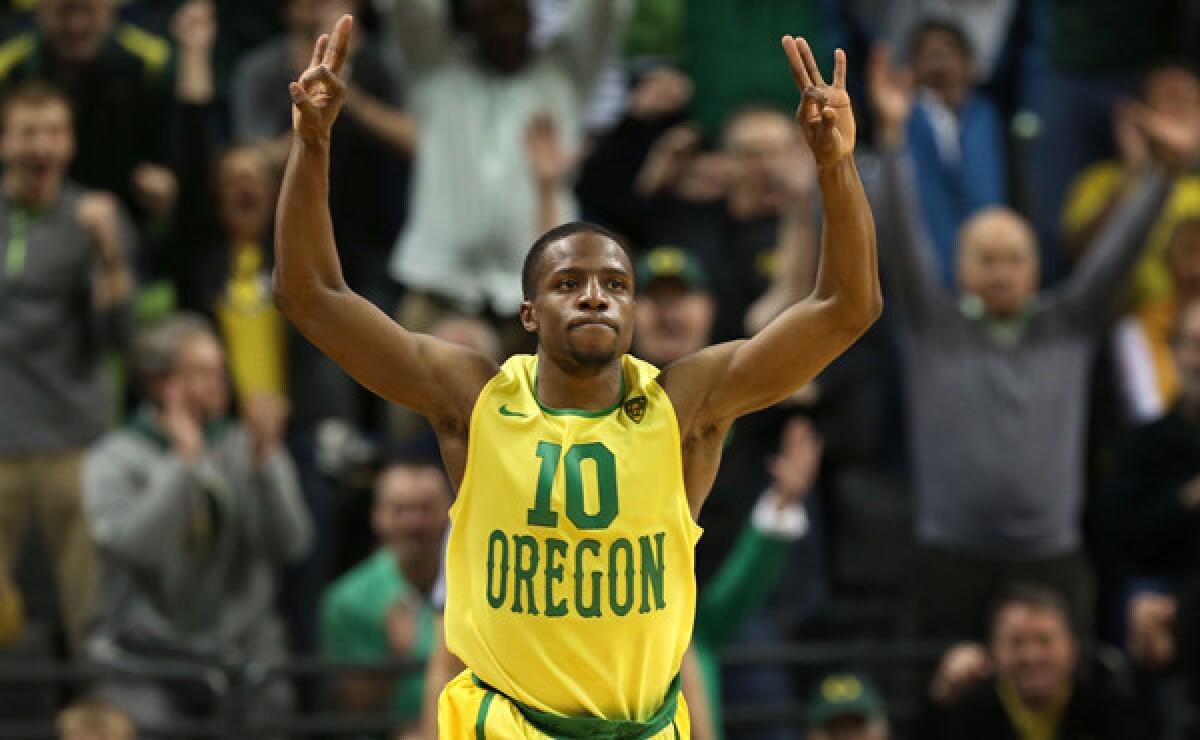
{"x":635,"y":408}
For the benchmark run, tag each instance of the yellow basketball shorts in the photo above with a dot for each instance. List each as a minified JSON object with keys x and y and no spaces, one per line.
{"x":468,"y":710}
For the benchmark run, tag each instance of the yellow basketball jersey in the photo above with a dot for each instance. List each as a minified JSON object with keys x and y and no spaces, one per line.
{"x":569,"y":572}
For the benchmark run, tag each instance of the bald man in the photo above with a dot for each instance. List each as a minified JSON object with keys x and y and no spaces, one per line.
{"x":997,"y":394}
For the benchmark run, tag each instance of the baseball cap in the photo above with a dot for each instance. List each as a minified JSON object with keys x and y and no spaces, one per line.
{"x":670,"y":262}
{"x":842,"y":694}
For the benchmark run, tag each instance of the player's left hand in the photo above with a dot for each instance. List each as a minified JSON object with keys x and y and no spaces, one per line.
{"x":824,"y":112}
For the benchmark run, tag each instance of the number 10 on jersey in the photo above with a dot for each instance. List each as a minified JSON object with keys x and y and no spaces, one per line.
{"x":541,"y":515}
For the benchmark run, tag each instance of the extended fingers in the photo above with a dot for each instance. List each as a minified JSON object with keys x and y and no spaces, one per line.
{"x":839,"y":69}
{"x":339,"y":44}
{"x":796,"y":63}
{"x":810,"y":63}
{"x":319,"y":50}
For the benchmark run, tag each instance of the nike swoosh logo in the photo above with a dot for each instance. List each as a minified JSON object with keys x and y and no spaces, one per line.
{"x":505,"y":411}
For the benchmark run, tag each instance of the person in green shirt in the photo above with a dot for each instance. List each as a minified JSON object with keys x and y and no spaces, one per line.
{"x":379,"y":610}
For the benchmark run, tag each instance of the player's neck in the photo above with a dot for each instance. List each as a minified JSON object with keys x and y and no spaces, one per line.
{"x":590,"y":389}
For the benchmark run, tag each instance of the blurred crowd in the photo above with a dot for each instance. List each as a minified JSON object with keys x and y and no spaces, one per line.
{"x":1007,"y":465}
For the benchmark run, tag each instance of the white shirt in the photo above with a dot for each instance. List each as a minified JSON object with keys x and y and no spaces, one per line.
{"x":473,"y":215}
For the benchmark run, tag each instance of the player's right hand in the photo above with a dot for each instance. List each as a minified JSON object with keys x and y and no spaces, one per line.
{"x":320,"y":92}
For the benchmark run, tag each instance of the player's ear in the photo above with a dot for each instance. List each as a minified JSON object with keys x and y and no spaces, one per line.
{"x":528,"y":320}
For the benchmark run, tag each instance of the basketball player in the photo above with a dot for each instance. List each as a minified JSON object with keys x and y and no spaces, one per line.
{"x":580,"y":470}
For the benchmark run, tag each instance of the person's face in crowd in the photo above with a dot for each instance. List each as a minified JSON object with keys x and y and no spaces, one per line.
{"x":1183,"y":260}
{"x":75,"y":30}
{"x":301,"y":16}
{"x":940,"y":64}
{"x":411,"y":511}
{"x":850,"y":727}
{"x":583,"y":309}
{"x":1172,"y":90}
{"x":37,"y":145}
{"x":1034,"y":651}
{"x":200,"y":372}
{"x":1187,"y":352}
{"x":503,"y":31}
{"x":997,"y":261}
{"x":705,"y":177}
{"x":245,"y":193}
{"x":672,"y":320}
{"x":755,"y":142}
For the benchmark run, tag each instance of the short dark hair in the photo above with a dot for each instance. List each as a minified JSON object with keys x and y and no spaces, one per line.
{"x":939,"y":25}
{"x":533,"y":258}
{"x":1030,"y":595}
{"x":32,"y":94}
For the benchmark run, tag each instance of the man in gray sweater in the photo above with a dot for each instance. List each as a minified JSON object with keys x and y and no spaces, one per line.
{"x":997,"y":383}
{"x":65,"y":287}
{"x":193,"y":514}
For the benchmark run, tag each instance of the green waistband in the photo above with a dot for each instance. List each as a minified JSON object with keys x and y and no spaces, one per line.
{"x":596,"y":728}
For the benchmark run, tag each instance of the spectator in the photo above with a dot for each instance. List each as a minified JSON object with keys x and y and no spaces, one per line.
{"x":1031,"y":682}
{"x":380,"y":610}
{"x":1020,"y":363}
{"x":1074,"y":90}
{"x":1156,"y":497}
{"x":474,"y":206}
{"x":675,"y":310}
{"x":116,"y":77}
{"x":953,"y":135}
{"x":65,"y":293}
{"x":764,"y":187}
{"x":1170,"y":102}
{"x":1142,"y":341}
{"x":846,"y":706}
{"x":94,"y":720}
{"x":759,"y":560}
{"x":368,"y":180}
{"x":193,"y":513}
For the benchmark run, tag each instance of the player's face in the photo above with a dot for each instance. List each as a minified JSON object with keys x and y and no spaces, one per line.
{"x":583,"y":310}
{"x":671,"y":321}
{"x":411,"y":511}
{"x":1183,"y":260}
{"x":37,"y":145}
{"x":1187,"y":351}
{"x":1034,"y":651}
{"x":200,"y":369}
{"x":76,"y":29}
{"x":998,"y":263}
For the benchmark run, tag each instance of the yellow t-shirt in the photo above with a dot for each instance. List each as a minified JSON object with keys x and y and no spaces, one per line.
{"x":252,"y":328}
{"x":570,"y":572}
{"x":1088,"y":196}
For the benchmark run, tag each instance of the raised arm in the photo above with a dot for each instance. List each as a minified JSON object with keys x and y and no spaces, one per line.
{"x":723,"y":382}
{"x":435,"y":378}
{"x":592,"y":34}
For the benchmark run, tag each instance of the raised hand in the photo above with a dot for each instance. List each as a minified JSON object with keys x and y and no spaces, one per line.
{"x":1173,"y":136}
{"x":549,"y":162}
{"x":794,"y":469}
{"x":824,"y":113}
{"x":181,"y":426}
{"x":891,"y":94}
{"x":318,"y":95}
